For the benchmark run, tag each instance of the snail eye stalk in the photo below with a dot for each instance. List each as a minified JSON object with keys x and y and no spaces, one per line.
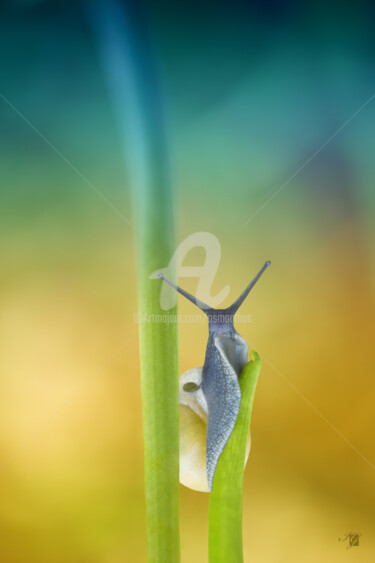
{"x":206,"y":308}
{"x":237,"y":304}
{"x":202,"y":306}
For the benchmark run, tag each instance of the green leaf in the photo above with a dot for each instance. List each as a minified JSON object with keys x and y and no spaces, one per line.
{"x":225,"y":511}
{"x":131,"y":76}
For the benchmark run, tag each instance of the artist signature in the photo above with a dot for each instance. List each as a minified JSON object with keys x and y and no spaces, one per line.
{"x":352,"y":538}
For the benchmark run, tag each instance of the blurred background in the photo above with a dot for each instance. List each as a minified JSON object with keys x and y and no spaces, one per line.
{"x":271,"y":122}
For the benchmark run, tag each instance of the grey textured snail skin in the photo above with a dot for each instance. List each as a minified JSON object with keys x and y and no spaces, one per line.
{"x":193,"y":432}
{"x":226,"y":355}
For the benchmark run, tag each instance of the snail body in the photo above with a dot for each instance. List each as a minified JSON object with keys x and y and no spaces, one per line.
{"x":193,"y":432}
{"x":210,"y":396}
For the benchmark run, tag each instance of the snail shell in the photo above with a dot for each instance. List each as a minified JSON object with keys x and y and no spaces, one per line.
{"x":193,"y":432}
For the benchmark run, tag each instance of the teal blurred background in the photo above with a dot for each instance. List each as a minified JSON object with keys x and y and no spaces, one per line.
{"x":251,"y":91}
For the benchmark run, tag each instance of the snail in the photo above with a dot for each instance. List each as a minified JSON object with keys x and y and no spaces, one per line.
{"x":210,"y":396}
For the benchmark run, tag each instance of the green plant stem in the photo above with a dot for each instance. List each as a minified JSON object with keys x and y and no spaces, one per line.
{"x":126,"y":58}
{"x":225,"y":510}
